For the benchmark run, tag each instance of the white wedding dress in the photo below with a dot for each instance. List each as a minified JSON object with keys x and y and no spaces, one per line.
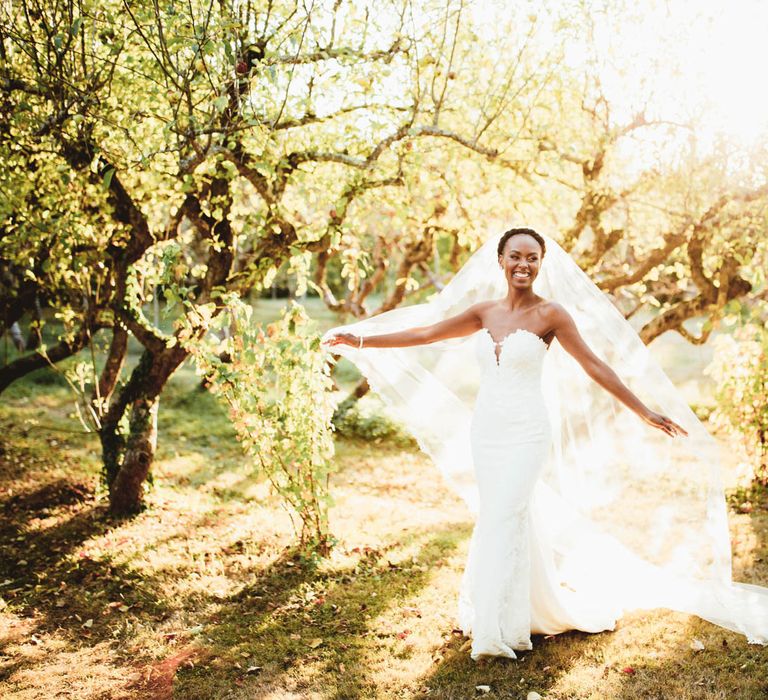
{"x":509,"y":588}
{"x":583,"y":512}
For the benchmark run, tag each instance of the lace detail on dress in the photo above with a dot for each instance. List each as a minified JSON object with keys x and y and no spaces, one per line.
{"x":510,"y":437}
{"x":516,"y":616}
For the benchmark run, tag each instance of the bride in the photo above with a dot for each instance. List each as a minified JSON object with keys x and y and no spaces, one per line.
{"x":579,"y":516}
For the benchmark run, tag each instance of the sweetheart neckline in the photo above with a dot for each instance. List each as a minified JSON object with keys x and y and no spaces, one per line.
{"x":501,"y":342}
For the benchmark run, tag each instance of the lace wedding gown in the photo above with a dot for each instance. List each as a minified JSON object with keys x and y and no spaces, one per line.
{"x":582,"y":511}
{"x":509,"y":587}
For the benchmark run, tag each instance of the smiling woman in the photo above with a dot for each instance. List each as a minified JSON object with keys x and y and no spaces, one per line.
{"x":614,"y":517}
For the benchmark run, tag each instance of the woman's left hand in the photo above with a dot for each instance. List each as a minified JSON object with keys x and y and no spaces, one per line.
{"x":657,"y":420}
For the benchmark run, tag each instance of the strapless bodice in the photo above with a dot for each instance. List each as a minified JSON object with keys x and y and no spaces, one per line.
{"x":510,"y":394}
{"x":520,"y":361}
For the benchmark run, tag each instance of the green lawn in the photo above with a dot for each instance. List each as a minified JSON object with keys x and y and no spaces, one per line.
{"x":203,"y":597}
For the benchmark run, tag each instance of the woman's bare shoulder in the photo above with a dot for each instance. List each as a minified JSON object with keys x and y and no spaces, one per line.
{"x":554,"y":312}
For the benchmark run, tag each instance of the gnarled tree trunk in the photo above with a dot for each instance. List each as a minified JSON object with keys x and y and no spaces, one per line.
{"x":127,"y":489}
{"x":102,"y":391}
{"x":128,"y":457}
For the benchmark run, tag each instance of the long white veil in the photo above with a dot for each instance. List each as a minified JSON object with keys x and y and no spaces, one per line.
{"x":630,"y":514}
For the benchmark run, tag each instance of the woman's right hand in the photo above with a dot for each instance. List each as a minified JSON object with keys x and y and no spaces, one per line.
{"x":343,"y":339}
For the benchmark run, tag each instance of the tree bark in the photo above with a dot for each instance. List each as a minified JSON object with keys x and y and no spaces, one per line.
{"x":112,"y":367}
{"x":128,"y":459}
{"x":710,"y":301}
{"x":126,"y":497}
{"x":33,"y":338}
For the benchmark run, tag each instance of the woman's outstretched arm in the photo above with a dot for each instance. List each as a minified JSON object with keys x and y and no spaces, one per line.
{"x":569,"y":337}
{"x":462,"y":324}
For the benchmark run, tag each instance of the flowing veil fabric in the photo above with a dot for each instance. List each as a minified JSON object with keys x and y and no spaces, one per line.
{"x":628,"y":516}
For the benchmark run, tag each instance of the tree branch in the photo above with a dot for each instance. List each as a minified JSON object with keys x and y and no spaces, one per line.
{"x":112,"y":367}
{"x":329,"y":54}
{"x":37,"y":360}
{"x":654,"y":258}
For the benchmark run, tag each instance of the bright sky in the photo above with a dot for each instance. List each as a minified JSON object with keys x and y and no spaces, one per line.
{"x":685,"y":59}
{"x":705,"y":60}
{"x":733,"y":64}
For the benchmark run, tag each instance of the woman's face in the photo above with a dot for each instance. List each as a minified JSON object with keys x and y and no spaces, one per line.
{"x":521,"y":260}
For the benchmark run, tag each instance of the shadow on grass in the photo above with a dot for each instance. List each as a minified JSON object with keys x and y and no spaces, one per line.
{"x":658,"y":662}
{"x":53,"y":585}
{"x":727,"y":667}
{"x":295,"y":614}
{"x":456,"y":675}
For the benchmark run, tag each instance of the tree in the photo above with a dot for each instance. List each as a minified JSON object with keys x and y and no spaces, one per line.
{"x":197,"y":149}
{"x":680,"y":228}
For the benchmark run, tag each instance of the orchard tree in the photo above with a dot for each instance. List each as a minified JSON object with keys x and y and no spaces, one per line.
{"x":684,"y":240}
{"x":197,"y":148}
{"x":659,"y":218}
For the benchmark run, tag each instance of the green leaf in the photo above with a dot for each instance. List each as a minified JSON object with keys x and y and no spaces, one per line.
{"x":107,"y":180}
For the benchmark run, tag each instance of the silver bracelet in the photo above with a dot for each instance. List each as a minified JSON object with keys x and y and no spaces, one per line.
{"x":360,"y":347}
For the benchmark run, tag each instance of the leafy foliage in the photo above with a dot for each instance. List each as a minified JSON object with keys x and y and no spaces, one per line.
{"x":364,"y":419}
{"x":740,"y":368}
{"x":158,"y":150}
{"x":276,"y":384}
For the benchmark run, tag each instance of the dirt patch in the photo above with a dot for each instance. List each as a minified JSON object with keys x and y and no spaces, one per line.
{"x":156,"y":680}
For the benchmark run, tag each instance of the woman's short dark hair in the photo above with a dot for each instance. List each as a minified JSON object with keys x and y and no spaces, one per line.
{"x":518,"y":231}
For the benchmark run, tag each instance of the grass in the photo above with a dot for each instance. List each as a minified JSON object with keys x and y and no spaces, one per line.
{"x":202,"y":596}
